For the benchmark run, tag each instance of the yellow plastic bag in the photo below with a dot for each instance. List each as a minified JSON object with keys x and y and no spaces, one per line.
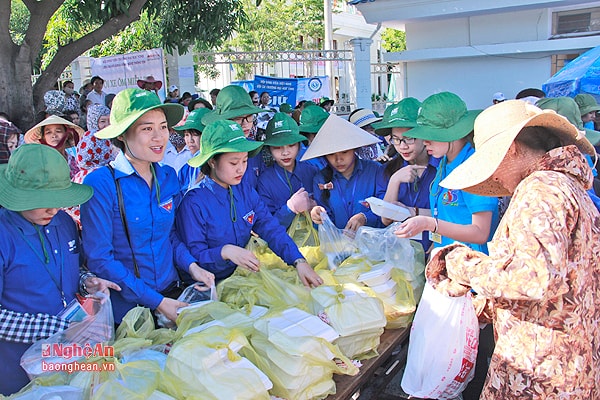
{"x":217,"y":310}
{"x":137,"y":323}
{"x":401,"y":312}
{"x":294,"y":377}
{"x":302,"y":231}
{"x":209,"y":360}
{"x":134,"y":380}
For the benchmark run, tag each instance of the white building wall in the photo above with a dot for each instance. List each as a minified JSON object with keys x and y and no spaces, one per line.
{"x":475,"y":79}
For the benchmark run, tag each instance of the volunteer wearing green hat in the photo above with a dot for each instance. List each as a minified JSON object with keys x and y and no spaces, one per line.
{"x":40,"y":252}
{"x":282,"y":186}
{"x":192,"y":129}
{"x":588,"y":106}
{"x":411,"y":172}
{"x":217,"y":217}
{"x":127,"y":226}
{"x":445,"y":126}
{"x":286,"y":108}
{"x":234,"y":104}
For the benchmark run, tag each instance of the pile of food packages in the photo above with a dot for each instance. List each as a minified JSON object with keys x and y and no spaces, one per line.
{"x":266,"y":337}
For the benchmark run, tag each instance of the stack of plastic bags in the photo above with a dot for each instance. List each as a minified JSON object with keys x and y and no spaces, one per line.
{"x":294,"y":349}
{"x":358,"y":318}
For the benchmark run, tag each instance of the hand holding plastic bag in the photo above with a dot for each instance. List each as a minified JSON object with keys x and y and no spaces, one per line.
{"x":337,"y":244}
{"x":79,"y":340}
{"x":443,"y":346}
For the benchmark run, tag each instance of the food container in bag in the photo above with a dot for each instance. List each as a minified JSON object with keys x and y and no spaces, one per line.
{"x":387,"y":289}
{"x":378,"y":275}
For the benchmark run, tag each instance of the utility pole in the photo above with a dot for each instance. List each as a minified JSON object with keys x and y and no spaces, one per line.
{"x":328,"y":45}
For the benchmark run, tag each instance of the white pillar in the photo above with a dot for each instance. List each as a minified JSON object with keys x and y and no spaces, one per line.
{"x":181,"y":72}
{"x":360,"y":75}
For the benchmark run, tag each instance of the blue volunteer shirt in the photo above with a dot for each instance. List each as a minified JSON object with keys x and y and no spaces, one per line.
{"x":319,"y":162}
{"x":417,"y":194}
{"x":347,"y":195}
{"x":255,"y":166}
{"x":458,"y":206}
{"x":187,"y":176}
{"x":153,"y":237}
{"x":28,"y":284}
{"x":207,"y":221}
{"x":276,"y":186}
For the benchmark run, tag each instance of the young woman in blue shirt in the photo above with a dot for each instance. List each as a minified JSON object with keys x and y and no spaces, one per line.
{"x":342,"y":186}
{"x":285,"y":186}
{"x":411,"y":172}
{"x":444,"y":125}
{"x":192,"y":129}
{"x":40,"y":254}
{"x":234,"y":104}
{"x":216,"y":218}
{"x":127,"y":226}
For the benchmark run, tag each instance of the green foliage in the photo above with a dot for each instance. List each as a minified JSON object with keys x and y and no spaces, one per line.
{"x":163,"y":23}
{"x":206,"y":23}
{"x":19,"y":20}
{"x":140,"y":35}
{"x":277,"y":25}
{"x":393,"y":40}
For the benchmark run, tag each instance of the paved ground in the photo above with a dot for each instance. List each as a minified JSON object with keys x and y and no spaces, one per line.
{"x":386,"y":384}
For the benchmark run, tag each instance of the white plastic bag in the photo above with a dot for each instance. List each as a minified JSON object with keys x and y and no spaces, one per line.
{"x":443,"y":346}
{"x":81,"y":340}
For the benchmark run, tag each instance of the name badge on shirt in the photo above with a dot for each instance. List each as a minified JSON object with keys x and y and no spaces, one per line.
{"x":435,"y":237}
{"x":167,"y":205}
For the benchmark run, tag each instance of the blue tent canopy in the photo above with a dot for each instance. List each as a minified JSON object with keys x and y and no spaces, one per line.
{"x":582,"y":75}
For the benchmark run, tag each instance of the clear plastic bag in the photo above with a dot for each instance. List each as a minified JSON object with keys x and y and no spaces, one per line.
{"x":337,"y":244}
{"x":443,"y":346}
{"x":75,"y":343}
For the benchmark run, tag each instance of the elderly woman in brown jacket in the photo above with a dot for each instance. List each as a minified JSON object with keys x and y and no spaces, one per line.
{"x":540,"y":283}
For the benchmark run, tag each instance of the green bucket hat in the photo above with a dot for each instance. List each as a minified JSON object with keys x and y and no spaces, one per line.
{"x":282,"y":130}
{"x":193,"y":121}
{"x":223,"y":136}
{"x":38,"y":176}
{"x":232,"y":101}
{"x":443,"y":117}
{"x":130,"y":104}
{"x":400,"y":115}
{"x":325,"y":100}
{"x":568,"y":108}
{"x":586,"y":103}
{"x":286,"y":108}
{"x":312,"y":118}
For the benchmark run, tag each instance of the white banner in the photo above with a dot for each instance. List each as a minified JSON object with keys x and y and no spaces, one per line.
{"x":123,"y":71}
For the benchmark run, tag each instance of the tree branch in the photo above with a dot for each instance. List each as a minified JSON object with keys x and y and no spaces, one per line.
{"x":41,"y":12}
{"x":66,"y":54}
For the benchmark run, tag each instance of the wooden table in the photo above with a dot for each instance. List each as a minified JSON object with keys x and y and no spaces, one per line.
{"x":347,"y":385}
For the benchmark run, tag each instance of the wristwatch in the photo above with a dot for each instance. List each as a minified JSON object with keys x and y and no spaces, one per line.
{"x":298,"y":261}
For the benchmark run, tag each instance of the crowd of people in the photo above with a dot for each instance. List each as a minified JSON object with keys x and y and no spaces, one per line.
{"x":140,"y":197}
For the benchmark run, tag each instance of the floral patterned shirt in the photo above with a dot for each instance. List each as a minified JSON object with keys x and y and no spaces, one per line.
{"x":541,"y":283}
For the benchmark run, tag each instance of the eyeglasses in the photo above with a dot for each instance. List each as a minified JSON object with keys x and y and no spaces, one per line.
{"x":407,"y":141}
{"x":248,"y":118}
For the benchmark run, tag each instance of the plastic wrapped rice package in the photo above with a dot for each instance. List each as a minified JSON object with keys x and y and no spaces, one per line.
{"x":349,"y":310}
{"x":360,"y":346}
{"x":209,"y":360}
{"x":379,"y":274}
{"x":299,"y":325}
{"x":294,"y":377}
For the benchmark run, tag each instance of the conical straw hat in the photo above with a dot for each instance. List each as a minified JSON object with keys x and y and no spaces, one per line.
{"x":337,"y":135}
